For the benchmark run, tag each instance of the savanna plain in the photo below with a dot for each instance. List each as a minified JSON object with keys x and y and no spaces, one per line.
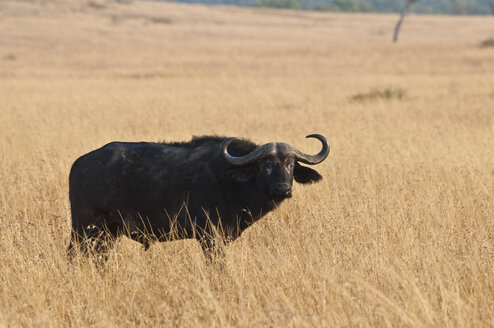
{"x":399,"y":233}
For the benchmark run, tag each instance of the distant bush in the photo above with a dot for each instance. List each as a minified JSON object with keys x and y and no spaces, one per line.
{"x":287,"y":4}
{"x":96,"y":5}
{"x":487,"y":43}
{"x":346,"y":6}
{"x":385,"y":94}
{"x":9,"y":57}
{"x":161,"y":20}
{"x":336,"y":5}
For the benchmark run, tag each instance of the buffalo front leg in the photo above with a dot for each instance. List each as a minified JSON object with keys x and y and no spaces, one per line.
{"x":142,"y":238}
{"x":92,"y":240}
{"x":137,"y":228}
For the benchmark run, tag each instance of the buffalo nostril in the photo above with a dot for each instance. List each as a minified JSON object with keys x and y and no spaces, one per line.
{"x":283,"y":189}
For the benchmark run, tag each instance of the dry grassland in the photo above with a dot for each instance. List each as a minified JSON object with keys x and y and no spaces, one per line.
{"x":399,"y":233}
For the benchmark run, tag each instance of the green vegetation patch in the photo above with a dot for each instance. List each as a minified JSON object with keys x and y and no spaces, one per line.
{"x":96,"y":5}
{"x":9,"y":57}
{"x":161,"y":20}
{"x":487,"y":43}
{"x":286,"y":4}
{"x":385,"y":94}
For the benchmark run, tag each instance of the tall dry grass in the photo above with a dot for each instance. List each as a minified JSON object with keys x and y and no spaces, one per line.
{"x":399,"y":233}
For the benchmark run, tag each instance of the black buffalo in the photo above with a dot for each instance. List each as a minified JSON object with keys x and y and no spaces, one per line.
{"x":145,"y":190}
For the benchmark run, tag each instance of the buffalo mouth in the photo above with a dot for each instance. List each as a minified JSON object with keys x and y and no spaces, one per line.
{"x":282,"y":196}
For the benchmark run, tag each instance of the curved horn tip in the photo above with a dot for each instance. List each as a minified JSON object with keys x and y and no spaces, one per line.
{"x":316,"y":135}
{"x":227,"y":141}
{"x":318,"y":158}
{"x":320,"y":137}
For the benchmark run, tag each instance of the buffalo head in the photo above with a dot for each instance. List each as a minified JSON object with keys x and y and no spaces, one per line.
{"x":274,"y":166}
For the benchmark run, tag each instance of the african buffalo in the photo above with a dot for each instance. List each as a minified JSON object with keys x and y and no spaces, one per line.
{"x":145,"y":190}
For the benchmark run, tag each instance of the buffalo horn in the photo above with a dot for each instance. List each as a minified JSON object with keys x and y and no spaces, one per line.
{"x":271,"y":148}
{"x":250,"y":157}
{"x":313,"y":159}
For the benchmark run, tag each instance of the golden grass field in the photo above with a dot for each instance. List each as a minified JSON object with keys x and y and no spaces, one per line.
{"x":399,"y":233}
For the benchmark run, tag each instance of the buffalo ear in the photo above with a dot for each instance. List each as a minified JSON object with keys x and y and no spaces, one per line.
{"x":242,"y":174}
{"x":303,"y":174}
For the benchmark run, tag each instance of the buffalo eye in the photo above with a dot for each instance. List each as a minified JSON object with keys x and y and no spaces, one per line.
{"x":289,"y":166}
{"x":267,"y":167}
